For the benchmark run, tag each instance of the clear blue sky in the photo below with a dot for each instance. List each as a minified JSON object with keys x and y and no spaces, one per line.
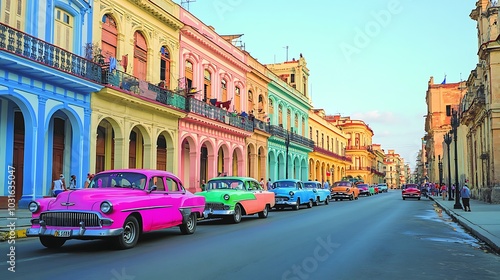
{"x":370,"y":60}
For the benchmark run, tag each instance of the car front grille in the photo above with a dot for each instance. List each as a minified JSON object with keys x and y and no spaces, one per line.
{"x":70,"y":219}
{"x":215,"y":206}
{"x":282,"y":198}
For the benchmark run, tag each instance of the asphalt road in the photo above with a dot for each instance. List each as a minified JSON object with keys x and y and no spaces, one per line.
{"x":378,"y":237}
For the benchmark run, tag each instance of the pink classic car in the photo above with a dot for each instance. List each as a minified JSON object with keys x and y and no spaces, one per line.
{"x":119,"y":205}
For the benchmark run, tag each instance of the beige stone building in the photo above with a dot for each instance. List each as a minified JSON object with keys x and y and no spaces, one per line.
{"x":480,"y":109}
{"x":378,"y":165}
{"x":393,"y":165}
{"x":442,"y":100}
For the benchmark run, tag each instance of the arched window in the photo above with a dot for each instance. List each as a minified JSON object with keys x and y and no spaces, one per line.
{"x":140,"y":56}
{"x":237,"y":99}
{"x":188,"y":74}
{"x":165,"y":67}
{"x":109,"y":37}
{"x":223,"y":85}
{"x":207,"y":85}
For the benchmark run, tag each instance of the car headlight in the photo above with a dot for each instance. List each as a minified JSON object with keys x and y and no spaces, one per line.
{"x":106,"y":207}
{"x":226,"y":197}
{"x":34,"y":207}
{"x":291,"y":193}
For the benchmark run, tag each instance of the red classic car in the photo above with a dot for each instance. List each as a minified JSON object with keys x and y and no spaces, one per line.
{"x":411,"y":191}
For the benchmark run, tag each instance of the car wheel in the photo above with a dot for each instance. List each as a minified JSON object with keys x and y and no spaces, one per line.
{"x":297,"y":206}
{"x":356,"y":197}
{"x":130,"y":234}
{"x":310,"y":204}
{"x":327,"y":201}
{"x":52,"y":242}
{"x":351,"y":197}
{"x":264,"y":212}
{"x":336,"y":199}
{"x":419,"y":198}
{"x":189,"y":226}
{"x":237,"y":214}
{"x":404,"y":198}
{"x":316,"y":203}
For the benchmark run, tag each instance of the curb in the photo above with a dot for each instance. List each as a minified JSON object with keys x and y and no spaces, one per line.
{"x":13,"y":234}
{"x":481,"y":234}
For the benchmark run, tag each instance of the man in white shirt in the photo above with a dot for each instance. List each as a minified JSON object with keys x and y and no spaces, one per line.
{"x":58,"y":186}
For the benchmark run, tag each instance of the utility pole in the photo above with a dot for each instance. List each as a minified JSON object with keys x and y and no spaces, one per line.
{"x":286,"y":47}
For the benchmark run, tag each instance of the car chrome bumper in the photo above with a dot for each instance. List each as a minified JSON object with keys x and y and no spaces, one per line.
{"x":75,"y":233}
{"x":340,"y":195}
{"x":278,"y":203}
{"x":210,"y":212}
{"x":411,"y":195}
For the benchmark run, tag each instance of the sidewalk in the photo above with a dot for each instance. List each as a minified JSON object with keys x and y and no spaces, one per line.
{"x":483,"y":221}
{"x":14,"y":226}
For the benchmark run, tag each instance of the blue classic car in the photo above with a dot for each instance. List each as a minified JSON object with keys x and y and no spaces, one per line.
{"x":291,"y":193}
{"x":322,"y":194}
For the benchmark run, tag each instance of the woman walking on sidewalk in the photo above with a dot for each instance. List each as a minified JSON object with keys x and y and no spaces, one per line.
{"x":465,"y":194}
{"x":444,"y":190}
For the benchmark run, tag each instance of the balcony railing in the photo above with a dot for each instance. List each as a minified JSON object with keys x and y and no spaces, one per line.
{"x":282,"y":133}
{"x":261,"y":125}
{"x":331,"y":154}
{"x":32,"y":48}
{"x":130,"y":83}
{"x":215,"y":113}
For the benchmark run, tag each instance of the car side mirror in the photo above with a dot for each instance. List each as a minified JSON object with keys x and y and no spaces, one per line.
{"x":152,"y":188}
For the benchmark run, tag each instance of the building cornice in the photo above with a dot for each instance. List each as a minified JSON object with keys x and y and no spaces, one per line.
{"x":192,"y":33}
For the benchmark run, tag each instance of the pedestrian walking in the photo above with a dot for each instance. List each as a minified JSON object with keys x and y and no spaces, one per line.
{"x":444,"y":191}
{"x":58,"y":186}
{"x":203,"y":185}
{"x":465,"y":194}
{"x":453,"y":188}
{"x":262,"y":183}
{"x":269,"y":184}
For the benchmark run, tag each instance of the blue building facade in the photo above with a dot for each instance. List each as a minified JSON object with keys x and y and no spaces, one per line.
{"x":45,"y":90}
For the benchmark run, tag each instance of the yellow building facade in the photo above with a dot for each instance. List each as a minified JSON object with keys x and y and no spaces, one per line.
{"x":327,"y":161}
{"x":359,"y":147}
{"x":479,"y":131}
{"x":135,"y":117}
{"x":258,"y":106}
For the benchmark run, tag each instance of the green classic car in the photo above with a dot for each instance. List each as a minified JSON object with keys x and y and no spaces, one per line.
{"x":232,"y":197}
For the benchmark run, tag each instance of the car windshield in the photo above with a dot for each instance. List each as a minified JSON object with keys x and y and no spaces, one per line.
{"x":119,"y":180}
{"x":311,"y":185}
{"x":284,"y":184}
{"x":341,"y":184}
{"x":232,"y":184}
{"x":362,"y":186}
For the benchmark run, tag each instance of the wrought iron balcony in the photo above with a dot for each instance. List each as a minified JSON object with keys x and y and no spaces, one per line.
{"x":261,"y":125}
{"x":293,"y":137}
{"x":29,"y":47}
{"x":130,"y":83}
{"x":215,"y":113}
{"x":331,"y":154}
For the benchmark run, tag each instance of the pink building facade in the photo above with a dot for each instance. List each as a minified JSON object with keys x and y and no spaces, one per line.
{"x":212,"y":135}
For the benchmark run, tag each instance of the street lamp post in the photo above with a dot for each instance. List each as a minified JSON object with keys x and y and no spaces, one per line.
{"x":454,"y":124}
{"x":287,"y":145}
{"x":440,"y":166}
{"x":447,"y":140}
